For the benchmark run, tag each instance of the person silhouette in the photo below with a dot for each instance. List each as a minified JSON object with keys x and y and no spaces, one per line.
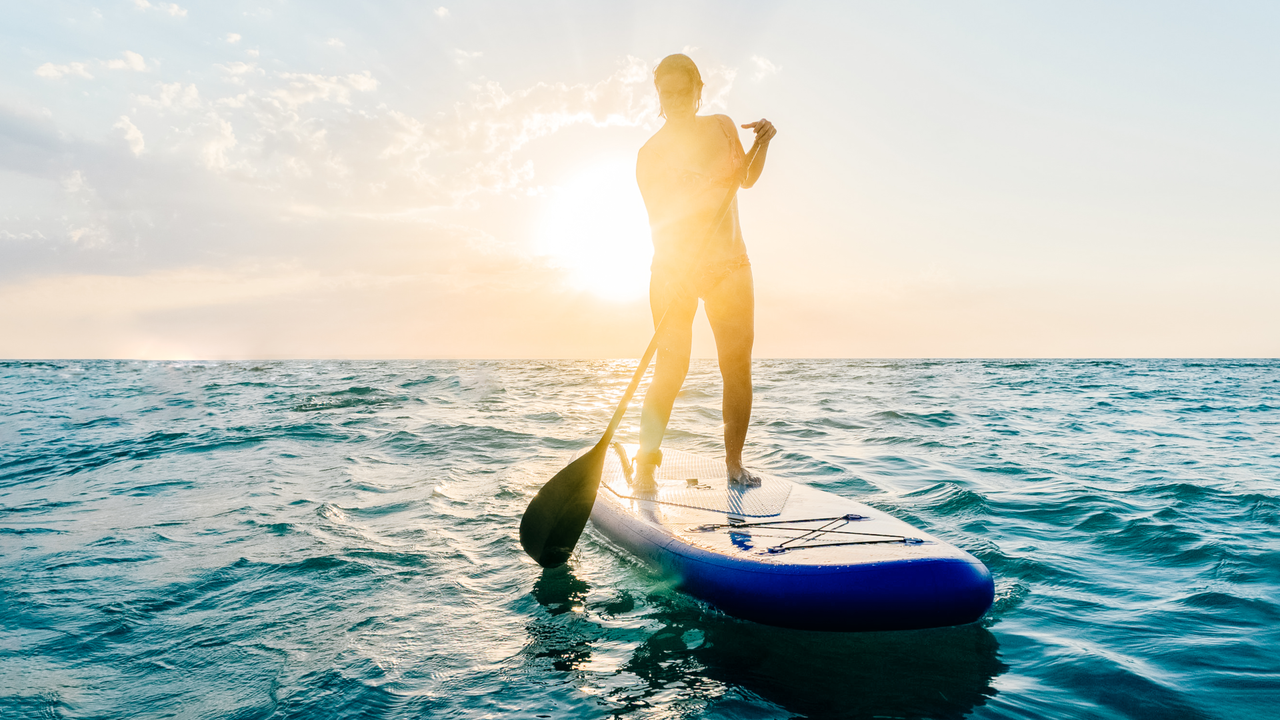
{"x":684,"y":172}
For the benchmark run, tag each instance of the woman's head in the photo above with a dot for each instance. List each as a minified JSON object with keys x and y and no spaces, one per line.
{"x":679,"y":86}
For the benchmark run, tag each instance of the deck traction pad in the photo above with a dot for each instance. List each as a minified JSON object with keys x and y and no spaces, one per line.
{"x":711,"y":492}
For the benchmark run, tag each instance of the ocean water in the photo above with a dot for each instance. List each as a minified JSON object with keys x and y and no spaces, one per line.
{"x":339,"y":540}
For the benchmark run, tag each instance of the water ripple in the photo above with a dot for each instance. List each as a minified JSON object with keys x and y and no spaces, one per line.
{"x":338,"y":539}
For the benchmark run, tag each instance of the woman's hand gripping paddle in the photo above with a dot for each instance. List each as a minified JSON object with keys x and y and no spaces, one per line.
{"x":554,"y":520}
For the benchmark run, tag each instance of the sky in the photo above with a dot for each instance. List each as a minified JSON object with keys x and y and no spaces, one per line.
{"x":287,"y":179}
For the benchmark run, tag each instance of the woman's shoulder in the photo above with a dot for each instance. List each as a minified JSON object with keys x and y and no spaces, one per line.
{"x":730,"y":132}
{"x":723,"y":121}
{"x":723,"y":124}
{"x":649,"y":152}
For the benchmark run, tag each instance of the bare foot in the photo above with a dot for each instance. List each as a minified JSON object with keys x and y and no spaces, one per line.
{"x":744,"y":478}
{"x":645,"y":483}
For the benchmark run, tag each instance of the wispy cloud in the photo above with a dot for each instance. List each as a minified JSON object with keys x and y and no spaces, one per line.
{"x":214,"y":150}
{"x":300,"y":148}
{"x":89,"y":235}
{"x":172,"y":95}
{"x":132,"y":134}
{"x":496,"y":124}
{"x":719,"y":80}
{"x":130,"y":61}
{"x":74,"y":182}
{"x":170,"y":8}
{"x":57,"y":72}
{"x":764,"y":68}
{"x":347,"y":164}
{"x":236,"y":71}
{"x":304,"y":88}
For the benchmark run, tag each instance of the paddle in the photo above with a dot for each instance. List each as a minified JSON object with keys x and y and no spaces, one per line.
{"x":556,"y":516}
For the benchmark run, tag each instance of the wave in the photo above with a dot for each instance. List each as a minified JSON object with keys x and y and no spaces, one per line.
{"x":341,"y":538}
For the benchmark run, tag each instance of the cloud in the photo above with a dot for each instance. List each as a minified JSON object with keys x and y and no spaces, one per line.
{"x":131,"y":61}
{"x":234,"y":101}
{"x":56,"y":72}
{"x":330,"y":139}
{"x":336,"y":43}
{"x":172,"y":95}
{"x":462,"y":56}
{"x":442,"y":12}
{"x":498,"y":121}
{"x":89,"y":235}
{"x":132,"y":135}
{"x":305,"y":88}
{"x":719,"y":84}
{"x":171,"y":8}
{"x":764,"y":68}
{"x":214,"y":151}
{"x":322,"y":177}
{"x":33,"y":235}
{"x":236,"y":71}
{"x":233,"y":38}
{"x":74,"y":182}
{"x":284,"y":155}
{"x":476,"y":150}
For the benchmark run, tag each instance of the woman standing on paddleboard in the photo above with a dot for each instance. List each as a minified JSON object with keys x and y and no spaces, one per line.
{"x":684,"y":171}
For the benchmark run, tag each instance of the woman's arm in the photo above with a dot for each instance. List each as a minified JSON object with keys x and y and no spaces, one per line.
{"x":764,"y":133}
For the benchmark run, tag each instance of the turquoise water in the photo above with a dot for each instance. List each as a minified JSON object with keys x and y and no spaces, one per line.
{"x":339,"y":540}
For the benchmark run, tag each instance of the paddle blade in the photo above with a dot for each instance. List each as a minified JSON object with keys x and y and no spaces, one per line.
{"x":555,"y":518}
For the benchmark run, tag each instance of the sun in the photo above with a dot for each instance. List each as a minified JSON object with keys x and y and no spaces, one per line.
{"x":596,"y":231}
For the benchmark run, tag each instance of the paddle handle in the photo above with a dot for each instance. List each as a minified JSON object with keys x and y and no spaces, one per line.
{"x":662,"y":322}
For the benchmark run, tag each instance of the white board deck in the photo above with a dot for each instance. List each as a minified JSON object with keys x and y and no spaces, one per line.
{"x":695,"y":481}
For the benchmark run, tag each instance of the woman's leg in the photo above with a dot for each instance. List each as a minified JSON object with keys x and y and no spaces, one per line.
{"x":731,"y":308}
{"x":669,"y":371}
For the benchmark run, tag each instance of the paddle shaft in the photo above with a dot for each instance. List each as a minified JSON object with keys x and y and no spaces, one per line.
{"x":666,"y":314}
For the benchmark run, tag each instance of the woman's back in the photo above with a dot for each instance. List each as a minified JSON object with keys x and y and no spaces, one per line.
{"x":683,"y":172}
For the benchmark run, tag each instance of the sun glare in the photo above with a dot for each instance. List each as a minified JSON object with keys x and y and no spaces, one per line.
{"x":596,"y":230}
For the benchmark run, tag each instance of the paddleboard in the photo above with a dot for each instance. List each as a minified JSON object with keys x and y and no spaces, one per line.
{"x":786,"y":554}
